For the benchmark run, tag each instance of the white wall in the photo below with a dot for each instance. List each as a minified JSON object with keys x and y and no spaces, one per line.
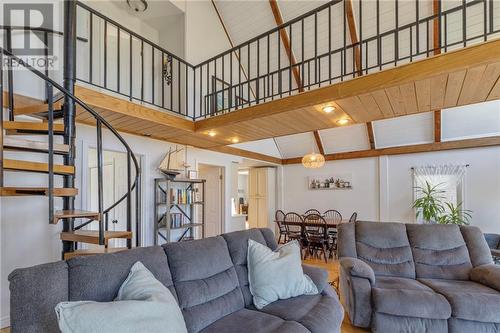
{"x":26,"y":237}
{"x":382,"y":187}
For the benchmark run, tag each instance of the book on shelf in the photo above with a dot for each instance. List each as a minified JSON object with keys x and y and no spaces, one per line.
{"x":176,"y":220}
{"x":183,"y":196}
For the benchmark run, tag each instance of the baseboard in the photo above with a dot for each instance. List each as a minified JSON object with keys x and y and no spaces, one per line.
{"x":5,"y":322}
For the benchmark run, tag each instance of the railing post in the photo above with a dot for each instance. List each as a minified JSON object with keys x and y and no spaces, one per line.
{"x":48,"y":89}
{"x":1,"y":119}
{"x":100,"y":180}
{"x":69,"y":108}
{"x":129,"y":196}
{"x":138,"y":207}
{"x":10,"y":76}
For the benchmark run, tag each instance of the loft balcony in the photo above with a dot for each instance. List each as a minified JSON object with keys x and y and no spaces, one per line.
{"x":365,"y":61}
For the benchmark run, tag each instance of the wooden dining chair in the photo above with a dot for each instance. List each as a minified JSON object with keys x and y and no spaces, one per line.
{"x":312,"y":211}
{"x":279,"y":217}
{"x":334,"y":217}
{"x":353,"y":217}
{"x":317,"y":241}
{"x":294,"y":232}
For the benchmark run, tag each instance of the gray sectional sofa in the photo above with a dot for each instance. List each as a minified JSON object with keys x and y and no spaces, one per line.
{"x":208,"y":278}
{"x":493,"y":241}
{"x":397,"y":277}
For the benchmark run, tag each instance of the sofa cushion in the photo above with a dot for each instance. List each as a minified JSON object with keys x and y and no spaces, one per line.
{"x":408,"y":297}
{"x":205,"y":281}
{"x":250,"y":321}
{"x":479,"y":251}
{"x":98,"y":278}
{"x":385,"y":323}
{"x":469,"y":300}
{"x":439,"y":251}
{"x":237,"y":243}
{"x":385,"y":247}
{"x":317,"y":313}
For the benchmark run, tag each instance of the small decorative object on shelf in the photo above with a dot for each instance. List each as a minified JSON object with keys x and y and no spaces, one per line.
{"x":170,"y":165}
{"x":330,"y":183}
{"x":179,"y":209}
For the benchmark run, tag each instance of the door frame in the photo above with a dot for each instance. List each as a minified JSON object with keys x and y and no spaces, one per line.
{"x":222,"y":193}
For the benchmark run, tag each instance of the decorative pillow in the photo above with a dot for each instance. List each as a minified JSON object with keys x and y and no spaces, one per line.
{"x":275,"y":275}
{"x":143,"y":304}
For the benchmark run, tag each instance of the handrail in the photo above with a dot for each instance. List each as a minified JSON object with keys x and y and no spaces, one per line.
{"x":100,"y":120}
{"x":39,"y":29}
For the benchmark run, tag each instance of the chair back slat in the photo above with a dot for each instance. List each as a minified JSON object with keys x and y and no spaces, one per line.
{"x":293,"y":217}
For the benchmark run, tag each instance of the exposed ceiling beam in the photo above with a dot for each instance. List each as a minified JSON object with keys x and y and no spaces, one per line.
{"x":436,"y":8}
{"x":319,"y":143}
{"x":224,"y":27}
{"x":371,"y":137}
{"x":246,"y":153}
{"x":436,"y":4}
{"x":437,"y":126}
{"x":286,"y":43}
{"x":351,"y":22}
{"x":420,"y":148}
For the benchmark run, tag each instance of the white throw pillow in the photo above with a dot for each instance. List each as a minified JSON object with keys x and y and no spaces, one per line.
{"x":275,"y":275}
{"x":143,"y":304}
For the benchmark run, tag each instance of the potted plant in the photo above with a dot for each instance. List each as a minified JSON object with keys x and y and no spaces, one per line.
{"x":429,"y":204}
{"x":455,"y":215}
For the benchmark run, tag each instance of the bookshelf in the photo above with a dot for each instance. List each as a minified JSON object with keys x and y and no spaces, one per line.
{"x":179,"y":210}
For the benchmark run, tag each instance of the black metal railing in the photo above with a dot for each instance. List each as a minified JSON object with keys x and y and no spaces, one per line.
{"x":158,"y":78}
{"x":7,"y":59}
{"x":253,"y":72}
{"x":321,"y":52}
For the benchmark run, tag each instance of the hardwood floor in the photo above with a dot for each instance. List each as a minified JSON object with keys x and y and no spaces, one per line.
{"x":333,"y":272}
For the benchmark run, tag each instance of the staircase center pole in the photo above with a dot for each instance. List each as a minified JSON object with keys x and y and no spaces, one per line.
{"x":69,"y":76}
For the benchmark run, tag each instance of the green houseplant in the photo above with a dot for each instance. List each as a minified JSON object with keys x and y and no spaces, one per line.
{"x":455,"y":215}
{"x":429,"y":204}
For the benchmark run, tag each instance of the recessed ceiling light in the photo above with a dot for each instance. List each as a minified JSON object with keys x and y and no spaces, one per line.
{"x":138,"y":5}
{"x":328,"y":109}
{"x":235,"y":140}
{"x":342,"y":121}
{"x":212,"y":133}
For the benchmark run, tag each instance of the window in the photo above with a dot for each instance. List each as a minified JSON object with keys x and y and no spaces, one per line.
{"x":448,"y":178}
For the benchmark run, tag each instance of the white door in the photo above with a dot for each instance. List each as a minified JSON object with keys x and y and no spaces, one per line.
{"x":213,"y":199}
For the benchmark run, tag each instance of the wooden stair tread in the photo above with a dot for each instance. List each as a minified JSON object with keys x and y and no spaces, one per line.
{"x":36,"y":108}
{"x":22,"y":144}
{"x":92,"y":236}
{"x":93,"y":251}
{"x":13,"y":127}
{"x":18,"y":165}
{"x":24,"y":191}
{"x":76,"y":213}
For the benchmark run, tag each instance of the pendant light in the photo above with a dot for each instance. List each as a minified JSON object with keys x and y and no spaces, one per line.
{"x":313,"y":160}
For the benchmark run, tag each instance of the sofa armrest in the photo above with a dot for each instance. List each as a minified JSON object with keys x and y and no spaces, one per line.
{"x":358,"y":268}
{"x":318,"y":275}
{"x":488,"y":274}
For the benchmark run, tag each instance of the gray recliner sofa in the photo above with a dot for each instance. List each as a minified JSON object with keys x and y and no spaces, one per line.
{"x":208,"y":277}
{"x":397,"y":277}
{"x":493,"y":241}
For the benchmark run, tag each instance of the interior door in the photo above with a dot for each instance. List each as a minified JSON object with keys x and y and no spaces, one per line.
{"x":213,"y":200}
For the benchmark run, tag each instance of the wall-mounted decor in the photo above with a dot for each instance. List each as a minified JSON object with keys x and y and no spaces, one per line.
{"x":336,"y":182}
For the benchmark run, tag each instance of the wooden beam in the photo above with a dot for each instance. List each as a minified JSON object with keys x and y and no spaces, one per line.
{"x":371,"y":137}
{"x":319,"y":143}
{"x":413,"y":149}
{"x":286,"y":43}
{"x":436,"y":4}
{"x":450,"y":62}
{"x":351,"y":22}
{"x":245,"y":153}
{"x":437,"y":126}
{"x":221,"y":20}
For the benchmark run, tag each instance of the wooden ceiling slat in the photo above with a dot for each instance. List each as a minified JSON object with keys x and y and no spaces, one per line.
{"x":490,"y":77}
{"x":438,"y":90}
{"x":370,"y":105}
{"x":423,"y":91}
{"x":396,"y":100}
{"x":409,"y":97}
{"x":383,"y":103}
{"x":471,"y":82}
{"x":495,"y":92}
{"x":453,"y":88}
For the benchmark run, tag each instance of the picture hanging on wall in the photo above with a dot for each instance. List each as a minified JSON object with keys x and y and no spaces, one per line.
{"x":336,"y":182}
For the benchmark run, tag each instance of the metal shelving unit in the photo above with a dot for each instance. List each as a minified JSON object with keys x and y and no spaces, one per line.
{"x":168,"y":201}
